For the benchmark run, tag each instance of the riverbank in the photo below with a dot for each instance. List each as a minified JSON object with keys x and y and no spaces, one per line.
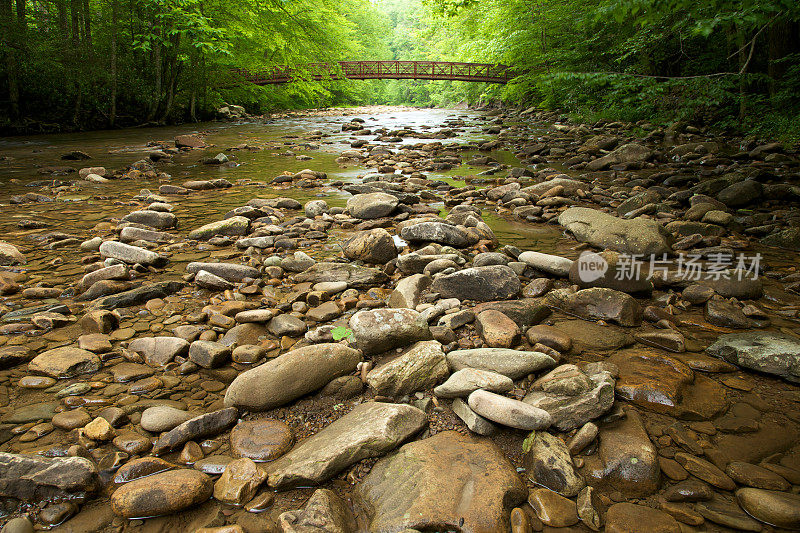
{"x":384,"y":319}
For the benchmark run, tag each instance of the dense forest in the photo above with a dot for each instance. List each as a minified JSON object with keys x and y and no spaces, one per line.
{"x":80,"y":64}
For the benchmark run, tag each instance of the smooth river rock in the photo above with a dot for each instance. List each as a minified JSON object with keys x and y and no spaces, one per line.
{"x":483,"y":284}
{"x":508,"y":412}
{"x":65,"y":362}
{"x":206,"y":425}
{"x":35,"y":479}
{"x":515,"y":364}
{"x":772,"y":353}
{"x":421,"y":367}
{"x":291,"y":376}
{"x":161,"y":494}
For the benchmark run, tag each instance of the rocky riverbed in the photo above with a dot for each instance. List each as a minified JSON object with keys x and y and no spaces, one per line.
{"x":392,"y":320}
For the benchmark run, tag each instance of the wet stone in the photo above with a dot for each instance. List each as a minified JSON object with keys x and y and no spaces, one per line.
{"x":161,"y":494}
{"x":548,"y":463}
{"x":630,"y":518}
{"x":239,"y":482}
{"x":205,"y":425}
{"x":69,"y":420}
{"x":261,"y":440}
{"x":142,"y":467}
{"x":163,"y":418}
{"x":552,"y":509}
{"x":65,"y":362}
{"x":432,"y":483}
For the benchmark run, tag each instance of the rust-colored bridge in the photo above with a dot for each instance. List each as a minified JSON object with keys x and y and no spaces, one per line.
{"x":382,"y":70}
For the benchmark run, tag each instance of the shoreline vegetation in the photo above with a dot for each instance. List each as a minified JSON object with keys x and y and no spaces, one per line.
{"x":96,"y":64}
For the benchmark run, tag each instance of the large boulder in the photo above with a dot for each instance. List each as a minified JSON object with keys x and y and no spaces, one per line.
{"x":634,"y":236}
{"x":139,"y":295}
{"x":291,"y":376}
{"x":598,"y":304}
{"x":34,"y":479}
{"x":483,"y":284}
{"x":374,"y":247}
{"x":324,"y":512}
{"x":154,"y":219}
{"x":548,"y":464}
{"x":515,"y":364}
{"x":229,"y":227}
{"x":772,"y":353}
{"x":161,"y":494}
{"x":408,"y":292}
{"x":629,"y":460}
{"x":372,"y":205}
{"x":131,"y":254}
{"x":371,"y":429}
{"x":159,"y":351}
{"x":205,"y":425}
{"x":228,"y":271}
{"x":445,"y":482}
{"x":379,"y":330}
{"x":572,"y":396}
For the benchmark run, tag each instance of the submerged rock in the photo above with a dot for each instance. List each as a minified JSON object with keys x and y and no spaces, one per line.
{"x":65,"y":362}
{"x":772,"y":353}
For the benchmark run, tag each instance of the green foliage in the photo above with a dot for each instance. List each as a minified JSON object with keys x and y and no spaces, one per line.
{"x":528,"y":442}
{"x":340,"y":332}
{"x":729,"y":64}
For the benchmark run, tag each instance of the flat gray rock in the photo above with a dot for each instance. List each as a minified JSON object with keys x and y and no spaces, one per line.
{"x":467,"y":380}
{"x":772,"y":353}
{"x":634,"y":236}
{"x":371,"y":429}
{"x":515,"y":364}
{"x":508,"y":412}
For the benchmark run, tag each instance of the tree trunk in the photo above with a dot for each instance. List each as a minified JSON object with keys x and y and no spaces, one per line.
{"x":740,"y":44}
{"x":173,"y":77}
{"x":9,"y":45}
{"x":22,"y":23}
{"x":782,"y":38}
{"x":74,"y":12}
{"x":112,"y":115}
{"x":156,"y":100}
{"x":87,"y":26}
{"x":63,"y":26}
{"x":193,"y":81}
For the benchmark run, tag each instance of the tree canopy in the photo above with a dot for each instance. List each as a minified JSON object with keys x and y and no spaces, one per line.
{"x":100,"y":63}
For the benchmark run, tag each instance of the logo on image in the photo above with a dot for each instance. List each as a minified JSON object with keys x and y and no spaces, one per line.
{"x":591,"y":266}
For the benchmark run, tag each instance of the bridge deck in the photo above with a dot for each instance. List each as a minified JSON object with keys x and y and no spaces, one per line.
{"x":382,"y":70}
